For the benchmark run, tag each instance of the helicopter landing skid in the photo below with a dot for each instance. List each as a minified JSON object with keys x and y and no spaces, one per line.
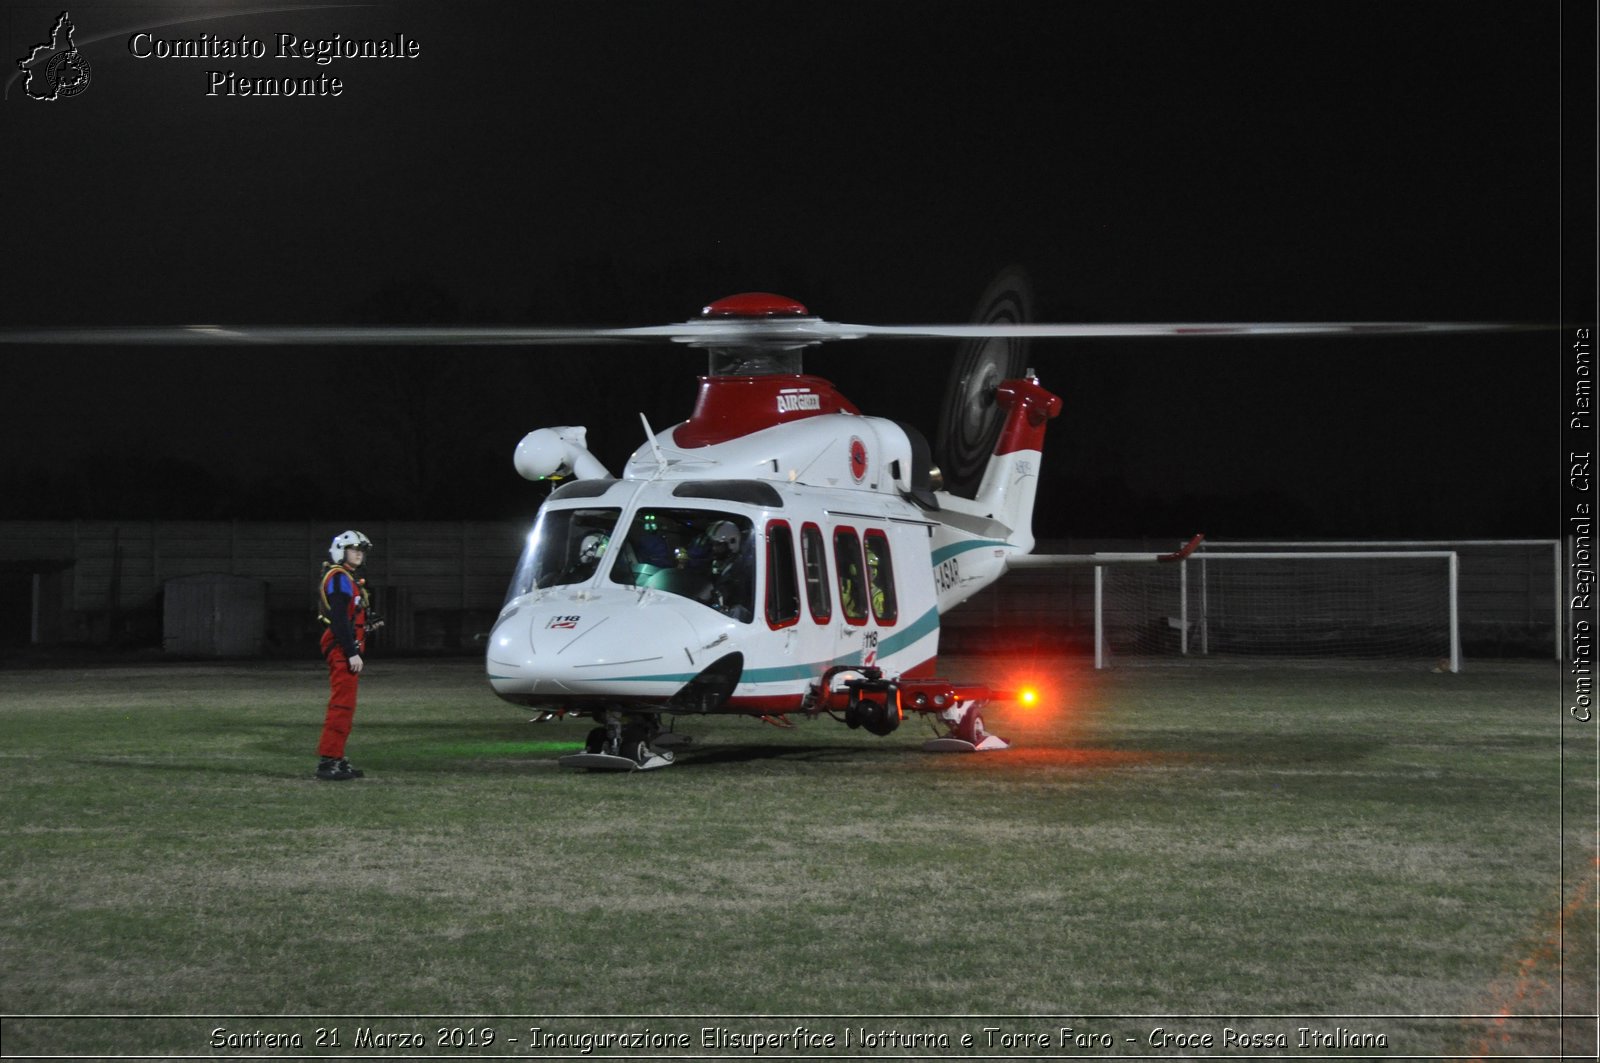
{"x":612,"y":762}
{"x":988,"y":744}
{"x":622,"y":742}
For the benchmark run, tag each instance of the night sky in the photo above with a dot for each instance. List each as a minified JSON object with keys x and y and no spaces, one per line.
{"x":557,"y":162}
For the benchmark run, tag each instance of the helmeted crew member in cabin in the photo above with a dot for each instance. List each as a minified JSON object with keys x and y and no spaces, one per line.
{"x":347,"y":613}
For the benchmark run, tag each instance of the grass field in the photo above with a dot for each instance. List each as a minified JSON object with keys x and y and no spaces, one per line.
{"x":1214,"y":850}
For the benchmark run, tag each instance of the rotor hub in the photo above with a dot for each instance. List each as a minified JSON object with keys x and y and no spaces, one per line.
{"x":755,"y":305}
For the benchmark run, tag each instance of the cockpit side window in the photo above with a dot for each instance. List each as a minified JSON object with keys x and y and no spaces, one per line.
{"x":566,"y":546}
{"x":705,"y":555}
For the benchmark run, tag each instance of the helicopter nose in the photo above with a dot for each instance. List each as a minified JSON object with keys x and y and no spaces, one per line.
{"x":618,"y":650}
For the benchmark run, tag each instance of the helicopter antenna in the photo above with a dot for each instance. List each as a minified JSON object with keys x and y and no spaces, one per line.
{"x":649,"y":434}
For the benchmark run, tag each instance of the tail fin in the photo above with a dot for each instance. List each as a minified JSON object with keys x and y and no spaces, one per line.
{"x":1011,"y":479}
{"x":976,"y":536}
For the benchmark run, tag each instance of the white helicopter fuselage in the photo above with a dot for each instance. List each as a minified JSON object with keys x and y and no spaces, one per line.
{"x":842,"y":563}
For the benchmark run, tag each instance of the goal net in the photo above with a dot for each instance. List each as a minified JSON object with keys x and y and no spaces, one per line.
{"x":1397,"y":606}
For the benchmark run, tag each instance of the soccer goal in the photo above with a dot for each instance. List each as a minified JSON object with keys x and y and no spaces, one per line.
{"x":1367,"y":605}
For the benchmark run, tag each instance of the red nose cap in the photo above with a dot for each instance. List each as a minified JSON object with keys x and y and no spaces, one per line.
{"x":755,"y":304}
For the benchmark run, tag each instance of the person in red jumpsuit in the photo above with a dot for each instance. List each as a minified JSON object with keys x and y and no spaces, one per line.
{"x":348,"y":617}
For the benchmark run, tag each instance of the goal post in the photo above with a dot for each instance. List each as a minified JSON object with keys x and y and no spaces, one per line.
{"x":1501,"y":579}
{"x":1355,"y":604}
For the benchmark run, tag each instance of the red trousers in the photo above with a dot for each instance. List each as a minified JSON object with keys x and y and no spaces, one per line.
{"x":342,"y":683}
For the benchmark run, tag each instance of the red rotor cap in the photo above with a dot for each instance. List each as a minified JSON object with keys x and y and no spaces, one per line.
{"x":755,"y":304}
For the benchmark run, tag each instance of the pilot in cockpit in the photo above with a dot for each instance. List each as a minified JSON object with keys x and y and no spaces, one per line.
{"x":590,"y":551}
{"x":730,"y":585}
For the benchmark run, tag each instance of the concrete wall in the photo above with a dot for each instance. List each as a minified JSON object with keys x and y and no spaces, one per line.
{"x":440,"y":583}
{"x":214,"y":615}
{"x":102,"y":582}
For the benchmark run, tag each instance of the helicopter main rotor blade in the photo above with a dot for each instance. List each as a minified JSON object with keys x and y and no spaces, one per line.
{"x":791,"y":333}
{"x":1094,"y":331}
{"x":785,"y":333}
{"x":322,"y":335}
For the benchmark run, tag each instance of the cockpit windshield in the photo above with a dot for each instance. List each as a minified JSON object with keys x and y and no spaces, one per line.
{"x":704,"y":555}
{"x":565,"y":546}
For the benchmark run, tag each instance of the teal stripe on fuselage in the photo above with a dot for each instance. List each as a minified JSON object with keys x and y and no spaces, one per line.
{"x":901,"y":639}
{"x":905,"y":637}
{"x":944,"y":553}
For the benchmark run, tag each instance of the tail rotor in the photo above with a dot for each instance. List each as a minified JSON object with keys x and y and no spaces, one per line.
{"x":969,"y":420}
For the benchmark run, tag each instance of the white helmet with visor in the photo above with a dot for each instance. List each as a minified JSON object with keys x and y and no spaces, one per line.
{"x":344,"y":541}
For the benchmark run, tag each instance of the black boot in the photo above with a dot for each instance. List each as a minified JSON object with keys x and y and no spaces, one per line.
{"x":334,"y":769}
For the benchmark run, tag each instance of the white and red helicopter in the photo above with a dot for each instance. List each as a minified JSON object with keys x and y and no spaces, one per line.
{"x":779,"y":552}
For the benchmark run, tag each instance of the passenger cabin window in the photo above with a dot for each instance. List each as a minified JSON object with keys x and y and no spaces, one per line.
{"x":880,"y":577}
{"x":705,"y":555}
{"x":783,"y":593}
{"x":814,"y":554}
{"x":852,"y":584}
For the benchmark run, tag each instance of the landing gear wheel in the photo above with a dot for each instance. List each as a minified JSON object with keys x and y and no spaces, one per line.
{"x":641,"y":754}
{"x":636,"y":746}
{"x":596,"y":742}
{"x":966,"y":735}
{"x":971,"y":729}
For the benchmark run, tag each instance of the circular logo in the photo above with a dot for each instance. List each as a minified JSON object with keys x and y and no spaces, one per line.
{"x":68,"y":74}
{"x":858,"y":459}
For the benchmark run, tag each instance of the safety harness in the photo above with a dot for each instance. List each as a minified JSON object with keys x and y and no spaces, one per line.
{"x":359,"y":603}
